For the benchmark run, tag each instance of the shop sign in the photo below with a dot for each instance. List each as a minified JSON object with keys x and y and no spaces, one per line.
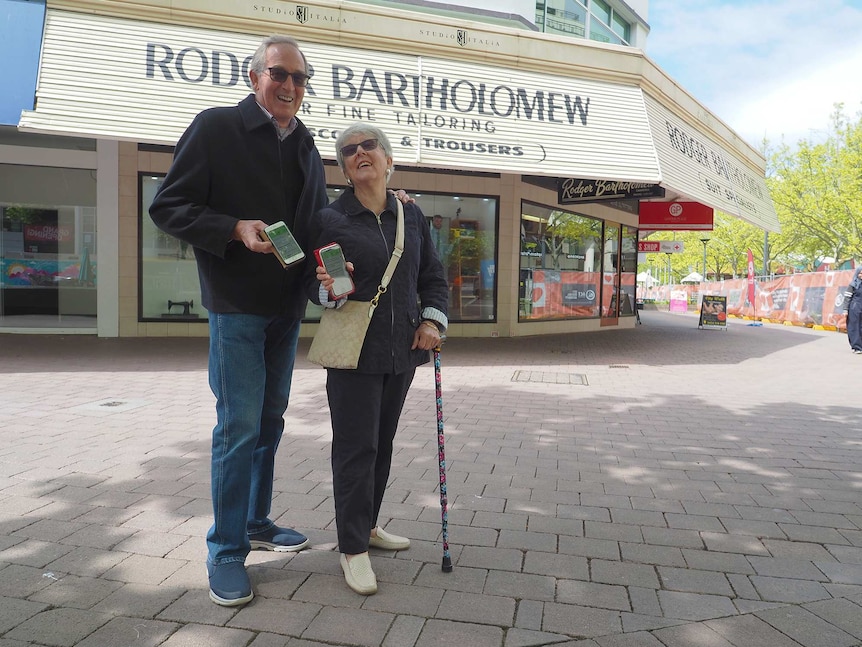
{"x":660,"y":246}
{"x":674,"y":216}
{"x":578,"y":294}
{"x":697,"y":166}
{"x":713,"y":311}
{"x":573,"y":190}
{"x":437,"y":112}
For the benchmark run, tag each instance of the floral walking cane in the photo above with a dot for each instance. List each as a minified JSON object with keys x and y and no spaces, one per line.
{"x":444,"y":515}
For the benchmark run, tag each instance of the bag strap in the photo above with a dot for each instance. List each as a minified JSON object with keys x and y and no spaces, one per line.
{"x":399,"y":248}
{"x":393,"y":261}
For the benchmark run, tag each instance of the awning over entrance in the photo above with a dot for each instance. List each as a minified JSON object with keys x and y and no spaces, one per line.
{"x":142,"y":81}
{"x":696,"y":166}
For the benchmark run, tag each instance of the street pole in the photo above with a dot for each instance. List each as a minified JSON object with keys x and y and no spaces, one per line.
{"x":704,"y":241}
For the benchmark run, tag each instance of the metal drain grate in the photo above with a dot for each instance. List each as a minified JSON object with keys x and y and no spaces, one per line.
{"x":576,"y":379}
{"x":617,"y":365}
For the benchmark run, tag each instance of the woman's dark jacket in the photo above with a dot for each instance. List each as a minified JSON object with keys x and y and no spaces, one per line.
{"x":418,"y":281}
{"x":230,"y":165}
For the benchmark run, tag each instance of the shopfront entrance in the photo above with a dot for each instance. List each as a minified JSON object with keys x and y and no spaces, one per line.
{"x":48,"y":246}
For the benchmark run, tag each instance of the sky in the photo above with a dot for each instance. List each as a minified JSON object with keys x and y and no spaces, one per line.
{"x":770,"y":69}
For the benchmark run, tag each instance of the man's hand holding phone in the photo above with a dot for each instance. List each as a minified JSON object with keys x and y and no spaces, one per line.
{"x":284,"y":245}
{"x":333,"y":271}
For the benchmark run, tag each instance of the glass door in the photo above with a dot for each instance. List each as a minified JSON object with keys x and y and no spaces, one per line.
{"x":611,"y":295}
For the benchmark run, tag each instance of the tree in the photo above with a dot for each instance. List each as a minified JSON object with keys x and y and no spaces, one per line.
{"x":817,"y":192}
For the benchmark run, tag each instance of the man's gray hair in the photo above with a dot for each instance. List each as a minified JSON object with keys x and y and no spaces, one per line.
{"x":366,"y":130}
{"x":258,"y":61}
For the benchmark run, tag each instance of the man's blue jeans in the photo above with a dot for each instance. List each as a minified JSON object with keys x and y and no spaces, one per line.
{"x":250,"y":366}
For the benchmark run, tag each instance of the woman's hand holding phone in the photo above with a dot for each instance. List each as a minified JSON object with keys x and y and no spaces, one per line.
{"x":327,"y":280}
{"x":333,"y":271}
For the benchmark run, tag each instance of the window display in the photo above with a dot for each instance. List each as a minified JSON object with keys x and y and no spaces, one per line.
{"x":48,"y":255}
{"x":464,"y":231}
{"x":169,"y":287}
{"x":561,"y":255}
{"x":463,"y":228}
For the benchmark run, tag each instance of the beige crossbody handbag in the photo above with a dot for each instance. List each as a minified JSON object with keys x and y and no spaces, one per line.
{"x":341,"y":333}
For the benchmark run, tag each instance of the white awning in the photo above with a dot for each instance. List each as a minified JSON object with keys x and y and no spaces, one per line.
{"x":698,"y":167}
{"x":108,"y":77}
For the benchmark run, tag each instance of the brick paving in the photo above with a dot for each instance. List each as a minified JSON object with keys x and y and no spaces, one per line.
{"x":696,"y":488}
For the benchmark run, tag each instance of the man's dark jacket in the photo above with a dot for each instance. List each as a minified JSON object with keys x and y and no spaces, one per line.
{"x":230,"y":165}
{"x":418,"y":282}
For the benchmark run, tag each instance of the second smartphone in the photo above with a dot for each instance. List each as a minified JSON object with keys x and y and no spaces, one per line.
{"x":332,"y":259}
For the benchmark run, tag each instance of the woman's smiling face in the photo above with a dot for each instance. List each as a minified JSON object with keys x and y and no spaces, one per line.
{"x":367,"y":164}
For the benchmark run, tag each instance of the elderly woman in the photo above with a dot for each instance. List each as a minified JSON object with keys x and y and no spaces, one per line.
{"x":365,"y":403}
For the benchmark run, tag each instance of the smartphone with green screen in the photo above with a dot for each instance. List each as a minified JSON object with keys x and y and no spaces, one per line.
{"x":331,"y":258}
{"x":285,"y":247}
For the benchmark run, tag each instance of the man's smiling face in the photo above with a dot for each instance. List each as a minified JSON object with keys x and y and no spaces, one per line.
{"x":281,"y":99}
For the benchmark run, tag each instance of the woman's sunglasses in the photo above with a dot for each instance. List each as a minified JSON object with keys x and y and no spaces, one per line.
{"x":350,"y":150}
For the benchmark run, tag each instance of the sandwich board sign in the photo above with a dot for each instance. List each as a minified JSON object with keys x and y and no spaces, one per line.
{"x":713,"y":311}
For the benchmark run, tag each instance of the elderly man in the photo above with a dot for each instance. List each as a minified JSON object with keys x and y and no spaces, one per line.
{"x":236,"y":170}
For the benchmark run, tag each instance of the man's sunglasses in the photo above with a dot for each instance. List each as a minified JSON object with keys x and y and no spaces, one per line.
{"x":279,"y":75}
{"x":367,"y":145}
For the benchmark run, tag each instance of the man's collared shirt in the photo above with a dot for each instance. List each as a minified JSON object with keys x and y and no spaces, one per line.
{"x":282,"y":132}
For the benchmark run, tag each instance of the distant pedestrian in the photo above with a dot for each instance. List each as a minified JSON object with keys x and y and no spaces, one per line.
{"x":853,"y":310}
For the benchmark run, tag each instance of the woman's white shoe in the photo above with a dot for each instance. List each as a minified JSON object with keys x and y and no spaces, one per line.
{"x":358,"y":573}
{"x":387,"y":541}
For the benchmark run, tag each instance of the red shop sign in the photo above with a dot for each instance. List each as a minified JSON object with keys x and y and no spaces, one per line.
{"x":670,"y":216}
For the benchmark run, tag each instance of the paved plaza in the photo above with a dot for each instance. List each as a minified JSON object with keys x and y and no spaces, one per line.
{"x":659,"y":486}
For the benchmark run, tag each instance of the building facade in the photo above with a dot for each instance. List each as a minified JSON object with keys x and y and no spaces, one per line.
{"x":534,"y":149}
{"x":604,"y":21}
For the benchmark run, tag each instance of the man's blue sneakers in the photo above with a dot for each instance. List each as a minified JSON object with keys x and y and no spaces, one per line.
{"x":229,"y":584}
{"x":282,"y":540}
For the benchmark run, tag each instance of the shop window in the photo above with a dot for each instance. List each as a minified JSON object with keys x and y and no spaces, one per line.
{"x":48,"y":253}
{"x":169,"y":288}
{"x":560,"y":264}
{"x":465,"y":235}
{"x":466,"y":240}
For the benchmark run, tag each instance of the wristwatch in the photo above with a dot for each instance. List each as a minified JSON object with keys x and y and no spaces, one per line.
{"x":432,"y":323}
